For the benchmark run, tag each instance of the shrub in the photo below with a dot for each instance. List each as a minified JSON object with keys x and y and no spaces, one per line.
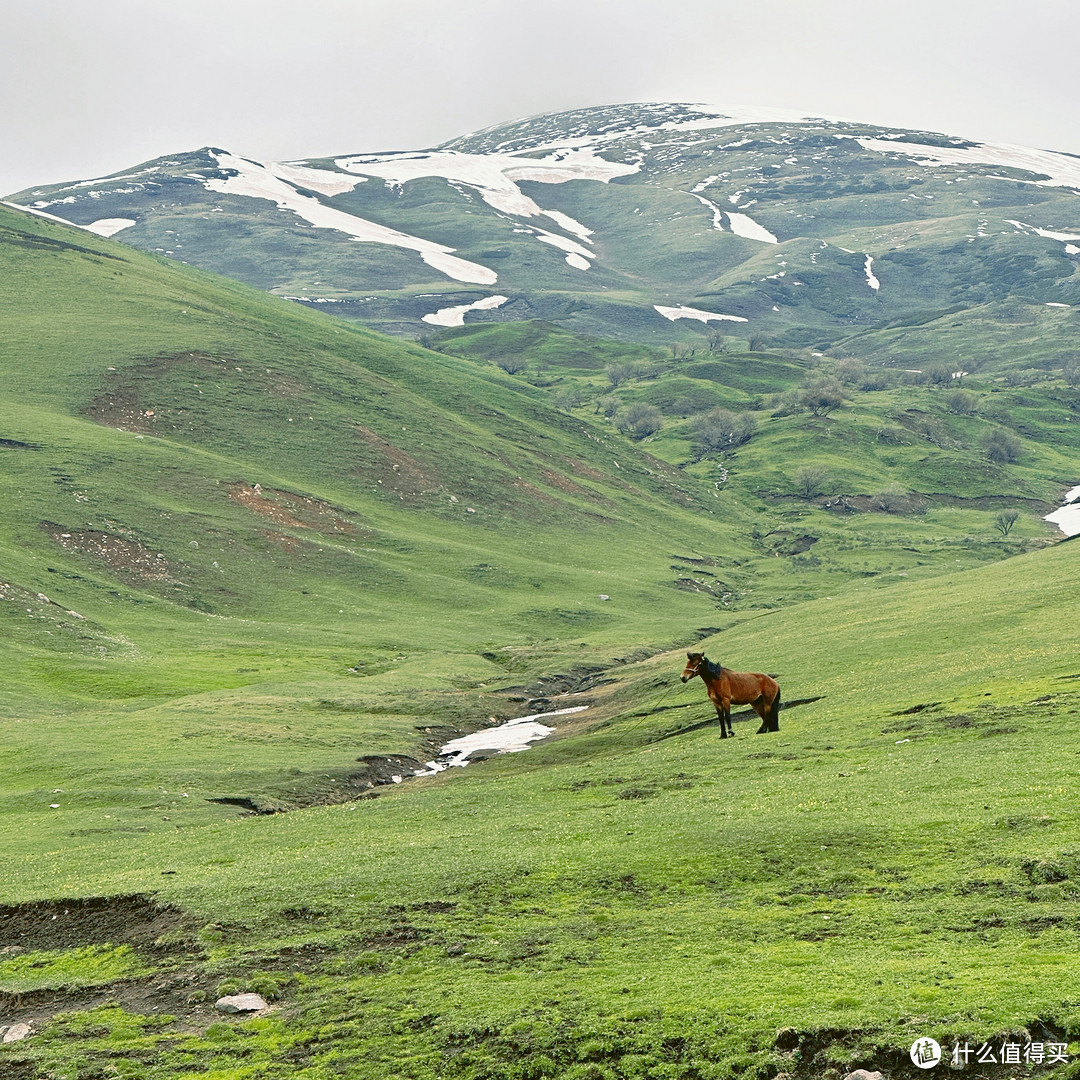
{"x":822,"y":396}
{"x":512,"y":365}
{"x":1001,"y":446}
{"x":617,"y":373}
{"x":850,"y":371}
{"x":878,"y":379}
{"x":568,"y":397}
{"x":961,"y":402}
{"x":720,"y":429}
{"x":893,"y":500}
{"x":639,"y":420}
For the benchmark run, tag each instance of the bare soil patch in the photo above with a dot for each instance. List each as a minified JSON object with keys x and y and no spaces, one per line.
{"x":120,"y":407}
{"x":394,"y":469}
{"x":135,"y":920}
{"x":124,"y":555}
{"x":371,"y":772}
{"x":291,"y":510}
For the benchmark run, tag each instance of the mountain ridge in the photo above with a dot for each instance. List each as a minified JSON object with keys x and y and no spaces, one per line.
{"x":632,"y":221}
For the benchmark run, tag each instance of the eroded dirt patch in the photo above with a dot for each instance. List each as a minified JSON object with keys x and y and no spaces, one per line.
{"x":121,"y":407}
{"x":291,"y":510}
{"x":394,"y":469}
{"x":371,"y":772}
{"x":125,"y":556}
{"x":134,"y":920}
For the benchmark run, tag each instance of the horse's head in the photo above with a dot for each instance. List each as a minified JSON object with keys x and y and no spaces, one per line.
{"x":694,"y":660}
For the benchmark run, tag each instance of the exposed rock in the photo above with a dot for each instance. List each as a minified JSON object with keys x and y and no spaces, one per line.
{"x":238,"y":1003}
{"x":14,"y":1033}
{"x":862,"y":1074}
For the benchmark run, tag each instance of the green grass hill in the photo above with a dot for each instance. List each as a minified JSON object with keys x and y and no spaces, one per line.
{"x":257,"y":562}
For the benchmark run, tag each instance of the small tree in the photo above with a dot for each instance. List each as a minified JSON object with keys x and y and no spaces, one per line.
{"x":961,"y":402}
{"x":617,"y":374}
{"x":719,"y":429}
{"x":715,"y":338}
{"x":512,"y":365}
{"x":809,"y":480}
{"x":822,"y":396}
{"x":1005,"y":521}
{"x":639,"y":420}
{"x":568,"y":397}
{"x":1001,"y":446}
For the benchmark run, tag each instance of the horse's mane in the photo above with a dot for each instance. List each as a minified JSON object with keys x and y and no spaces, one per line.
{"x":713,"y":669}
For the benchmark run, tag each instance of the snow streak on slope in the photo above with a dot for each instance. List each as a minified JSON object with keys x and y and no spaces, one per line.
{"x":259,"y":181}
{"x":495,"y":178}
{"x":717,"y":213}
{"x":455,"y":316}
{"x":109,"y":226}
{"x":745,"y":226}
{"x":684,"y":312}
{"x":1061,"y":170}
{"x":871,"y":280}
{"x":1048,"y":233}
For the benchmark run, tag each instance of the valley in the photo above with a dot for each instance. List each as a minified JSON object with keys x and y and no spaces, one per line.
{"x":263,"y":559}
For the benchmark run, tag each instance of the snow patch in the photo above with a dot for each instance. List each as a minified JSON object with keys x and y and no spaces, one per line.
{"x":870,"y":279}
{"x":495,"y":176}
{"x":455,"y":316}
{"x":1062,"y":170}
{"x":259,"y":182}
{"x":1067,"y":517}
{"x":684,"y":312}
{"x":745,"y":226}
{"x":323,"y":181}
{"x":109,"y":226}
{"x":509,"y":738}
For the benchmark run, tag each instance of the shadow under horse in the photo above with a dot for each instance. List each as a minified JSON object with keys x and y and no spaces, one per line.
{"x":726,"y":687}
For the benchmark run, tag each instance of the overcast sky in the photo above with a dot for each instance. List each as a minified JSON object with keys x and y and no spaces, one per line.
{"x":93,"y":86}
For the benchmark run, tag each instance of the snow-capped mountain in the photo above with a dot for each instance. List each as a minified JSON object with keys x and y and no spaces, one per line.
{"x":637,"y":221}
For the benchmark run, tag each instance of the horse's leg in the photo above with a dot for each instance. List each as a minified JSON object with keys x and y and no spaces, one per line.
{"x":726,"y":718}
{"x":720,"y":720}
{"x":761,"y":709}
{"x":774,"y":712}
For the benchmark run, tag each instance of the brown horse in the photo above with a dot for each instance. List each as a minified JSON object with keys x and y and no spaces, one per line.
{"x":741,"y":687}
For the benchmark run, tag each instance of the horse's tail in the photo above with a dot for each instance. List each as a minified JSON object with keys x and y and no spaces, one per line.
{"x":774,"y":711}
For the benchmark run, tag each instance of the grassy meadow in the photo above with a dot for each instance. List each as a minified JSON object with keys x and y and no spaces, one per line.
{"x":250,"y":551}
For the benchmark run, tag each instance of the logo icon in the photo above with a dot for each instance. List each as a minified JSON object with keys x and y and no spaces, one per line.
{"x":925,"y":1053}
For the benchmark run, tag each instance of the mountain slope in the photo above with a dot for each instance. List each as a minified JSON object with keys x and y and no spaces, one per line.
{"x":797,"y":230}
{"x":188,"y":454}
{"x":246,"y":545}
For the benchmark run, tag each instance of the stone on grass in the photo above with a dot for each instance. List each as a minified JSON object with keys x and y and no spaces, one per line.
{"x":863,"y":1074}
{"x":15,"y":1032}
{"x":238,"y":1003}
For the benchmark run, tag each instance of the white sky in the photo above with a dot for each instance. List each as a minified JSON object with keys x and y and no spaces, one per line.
{"x":90,"y":87}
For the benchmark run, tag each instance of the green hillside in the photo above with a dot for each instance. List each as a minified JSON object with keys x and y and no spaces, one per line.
{"x":258,"y":560}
